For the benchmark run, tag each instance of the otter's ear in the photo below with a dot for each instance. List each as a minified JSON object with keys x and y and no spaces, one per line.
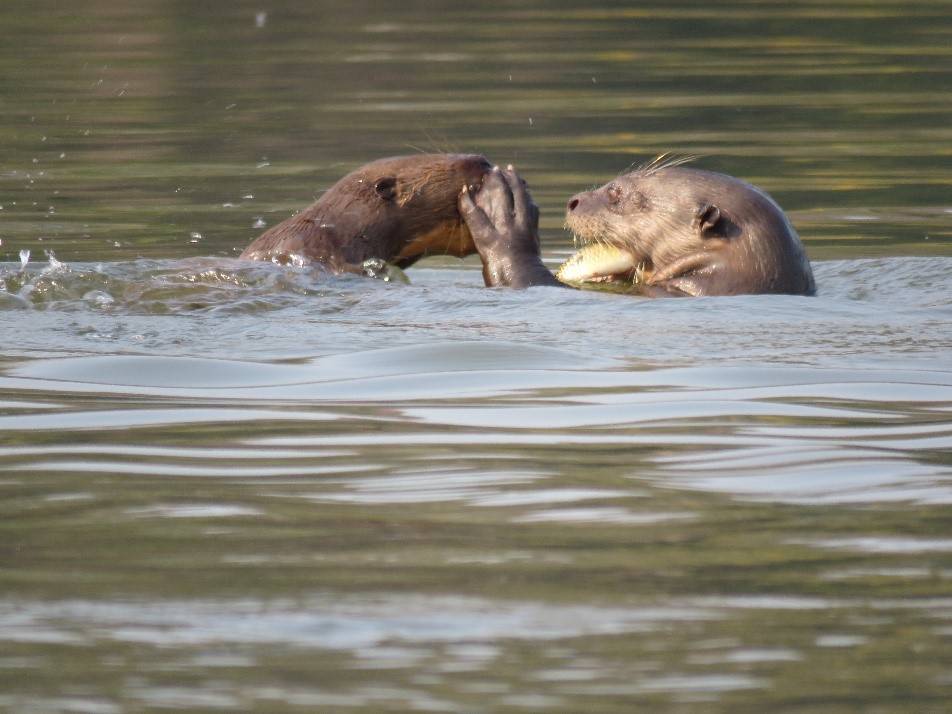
{"x":386,"y":188}
{"x":706,"y":219}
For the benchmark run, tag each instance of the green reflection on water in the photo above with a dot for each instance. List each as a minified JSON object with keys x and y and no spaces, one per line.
{"x":171,"y":129}
{"x":141,"y":125}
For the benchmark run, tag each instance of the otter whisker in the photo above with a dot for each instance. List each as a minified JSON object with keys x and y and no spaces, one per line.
{"x":666,"y":160}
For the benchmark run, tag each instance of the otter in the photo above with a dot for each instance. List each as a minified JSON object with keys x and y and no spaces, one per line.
{"x":684,"y":231}
{"x":397,"y":210}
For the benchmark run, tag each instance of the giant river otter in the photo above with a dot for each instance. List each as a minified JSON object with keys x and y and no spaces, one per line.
{"x":397,"y":210}
{"x":682,"y":231}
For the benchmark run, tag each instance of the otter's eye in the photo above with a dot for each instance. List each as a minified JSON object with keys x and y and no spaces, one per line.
{"x":613,"y":192}
{"x":386,"y":188}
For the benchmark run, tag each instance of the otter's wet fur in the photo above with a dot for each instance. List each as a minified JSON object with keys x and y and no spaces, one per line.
{"x":695,"y":232}
{"x":398,"y":209}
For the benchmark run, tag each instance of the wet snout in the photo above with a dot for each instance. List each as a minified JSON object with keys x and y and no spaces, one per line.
{"x":574,"y":203}
{"x":474,"y":168}
{"x":582,"y":205}
{"x":436,"y":228}
{"x":579,"y":214}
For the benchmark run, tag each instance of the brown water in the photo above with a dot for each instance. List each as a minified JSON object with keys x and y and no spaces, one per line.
{"x":229,"y":486}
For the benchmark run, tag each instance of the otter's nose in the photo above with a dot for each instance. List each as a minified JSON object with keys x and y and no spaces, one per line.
{"x":573,"y":203}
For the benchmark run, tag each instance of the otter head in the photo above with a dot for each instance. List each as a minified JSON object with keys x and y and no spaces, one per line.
{"x":397,"y":210}
{"x":656,"y":214}
{"x":402,"y":209}
{"x":694,"y":231}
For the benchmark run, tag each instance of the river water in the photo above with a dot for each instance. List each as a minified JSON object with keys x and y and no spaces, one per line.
{"x":232,"y":486}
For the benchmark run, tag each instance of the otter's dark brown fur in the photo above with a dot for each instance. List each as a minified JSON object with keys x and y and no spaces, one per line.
{"x":399,"y":210}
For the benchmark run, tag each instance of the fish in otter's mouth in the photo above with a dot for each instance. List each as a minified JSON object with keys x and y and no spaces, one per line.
{"x":602,"y":262}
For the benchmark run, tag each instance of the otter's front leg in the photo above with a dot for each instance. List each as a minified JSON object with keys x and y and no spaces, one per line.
{"x":504,"y":222}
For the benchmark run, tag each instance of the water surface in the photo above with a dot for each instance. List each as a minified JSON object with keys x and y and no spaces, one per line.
{"x":230,"y":486}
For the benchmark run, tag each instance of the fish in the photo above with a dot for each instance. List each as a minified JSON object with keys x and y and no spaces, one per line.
{"x":601,"y":262}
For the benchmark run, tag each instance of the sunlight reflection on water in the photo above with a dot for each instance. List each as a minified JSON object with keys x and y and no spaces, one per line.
{"x":235,"y":486}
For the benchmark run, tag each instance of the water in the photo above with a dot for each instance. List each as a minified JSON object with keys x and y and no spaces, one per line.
{"x":230,"y":486}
